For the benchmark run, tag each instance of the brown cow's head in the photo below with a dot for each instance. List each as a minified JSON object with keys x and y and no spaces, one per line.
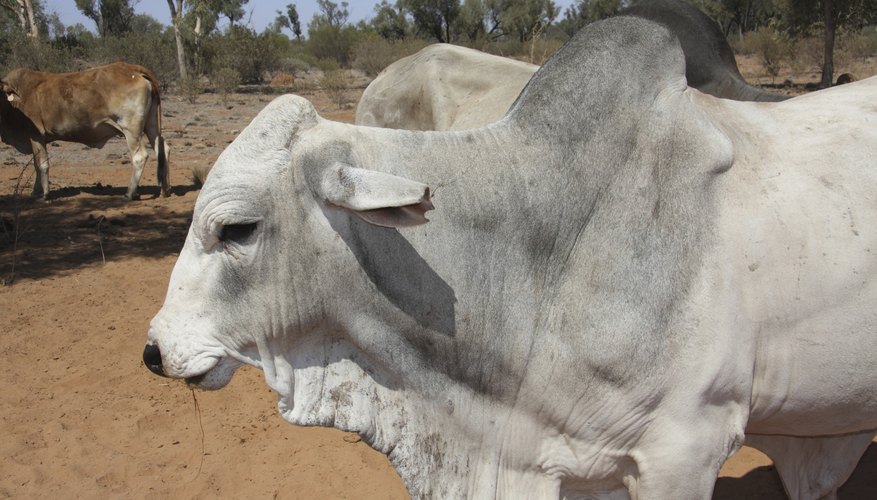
{"x":11,"y":91}
{"x":8,"y":93}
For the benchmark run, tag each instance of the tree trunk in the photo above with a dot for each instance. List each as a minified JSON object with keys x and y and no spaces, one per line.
{"x":32,"y":30}
{"x":18,"y":9}
{"x":177,"y":20}
{"x":828,"y":58}
{"x":198,"y":45}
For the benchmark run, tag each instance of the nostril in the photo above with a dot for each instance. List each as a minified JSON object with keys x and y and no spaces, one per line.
{"x":152,"y":358}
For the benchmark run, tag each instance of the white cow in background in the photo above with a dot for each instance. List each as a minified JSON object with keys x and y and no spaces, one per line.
{"x":443,"y":87}
{"x":620,"y":282}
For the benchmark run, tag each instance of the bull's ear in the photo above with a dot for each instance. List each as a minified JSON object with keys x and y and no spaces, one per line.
{"x":10,"y":94}
{"x":378,"y":198}
{"x":7,"y":91}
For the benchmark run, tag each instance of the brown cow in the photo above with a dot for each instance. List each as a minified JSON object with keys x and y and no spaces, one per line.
{"x":88,"y":107}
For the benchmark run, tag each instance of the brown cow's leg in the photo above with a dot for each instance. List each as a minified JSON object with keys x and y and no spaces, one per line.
{"x":162,"y":154}
{"x":41,"y":167}
{"x":138,"y":159}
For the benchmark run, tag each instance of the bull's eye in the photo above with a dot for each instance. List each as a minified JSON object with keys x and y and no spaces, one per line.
{"x":237,"y":233}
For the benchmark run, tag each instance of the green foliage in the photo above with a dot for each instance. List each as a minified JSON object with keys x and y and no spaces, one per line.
{"x":331,"y":14}
{"x":231,"y":9}
{"x":587,"y":11}
{"x":25,"y":52}
{"x":242,"y":50}
{"x":373,"y":53}
{"x":153,"y":50}
{"x":112,"y":17}
{"x":333,"y":42}
{"x":740,"y":16}
{"x":289,"y":20}
{"x":806,"y":16}
{"x":390,"y":22}
{"x":434,"y":19}
{"x":521,"y":18}
{"x":470,"y":24}
{"x":328,"y":65}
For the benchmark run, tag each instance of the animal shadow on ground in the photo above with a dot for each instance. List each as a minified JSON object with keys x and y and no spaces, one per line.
{"x":764,"y":483}
{"x":118,"y":191}
{"x":39,"y":240}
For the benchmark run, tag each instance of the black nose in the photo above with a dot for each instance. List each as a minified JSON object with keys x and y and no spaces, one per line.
{"x":152,"y":358}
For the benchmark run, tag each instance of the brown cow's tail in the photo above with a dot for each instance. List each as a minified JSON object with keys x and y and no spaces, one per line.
{"x":161,"y":148}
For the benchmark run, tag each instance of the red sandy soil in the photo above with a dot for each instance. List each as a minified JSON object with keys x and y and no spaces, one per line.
{"x":81,"y":417}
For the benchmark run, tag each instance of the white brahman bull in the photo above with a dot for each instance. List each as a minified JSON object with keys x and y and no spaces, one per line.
{"x":446,"y":87}
{"x":89,"y":107}
{"x":621,"y":281}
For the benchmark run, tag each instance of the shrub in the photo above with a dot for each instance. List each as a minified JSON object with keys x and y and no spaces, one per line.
{"x":282,"y":80}
{"x":541,"y":49}
{"x":226,"y":81}
{"x":328,"y":65}
{"x":373,"y":53}
{"x":24,"y":52}
{"x":235,"y":49}
{"x":190,"y":88}
{"x":772,"y":46}
{"x":335,"y":84}
{"x":295,"y":65}
{"x":333,"y":42}
{"x":808,"y":53}
{"x":155,"y":51}
{"x":861,"y":45}
{"x":242,"y":50}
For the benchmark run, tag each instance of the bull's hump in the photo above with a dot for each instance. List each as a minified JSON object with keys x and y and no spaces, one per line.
{"x":619,"y":62}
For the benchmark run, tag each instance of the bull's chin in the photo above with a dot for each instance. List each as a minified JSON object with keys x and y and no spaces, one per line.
{"x":215,"y":378}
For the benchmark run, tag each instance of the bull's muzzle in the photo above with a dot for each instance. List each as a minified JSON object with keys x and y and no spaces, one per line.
{"x":152,"y":359}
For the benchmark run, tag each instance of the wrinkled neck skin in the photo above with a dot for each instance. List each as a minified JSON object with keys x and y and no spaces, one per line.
{"x":408,"y":367}
{"x":430,"y":361}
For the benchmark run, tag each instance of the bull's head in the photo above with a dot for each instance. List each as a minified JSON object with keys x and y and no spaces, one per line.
{"x":10,"y":92}
{"x":248,"y":283}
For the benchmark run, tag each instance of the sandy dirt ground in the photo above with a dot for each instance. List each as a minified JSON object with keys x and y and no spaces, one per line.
{"x":81,"y":417}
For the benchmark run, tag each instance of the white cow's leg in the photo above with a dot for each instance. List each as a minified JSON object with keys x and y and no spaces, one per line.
{"x":139,"y":155}
{"x":682,"y":462}
{"x":813,"y":468}
{"x":41,"y":168}
{"x":683,"y":473}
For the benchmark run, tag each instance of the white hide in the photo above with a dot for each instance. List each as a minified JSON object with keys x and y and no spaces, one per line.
{"x":443,"y":87}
